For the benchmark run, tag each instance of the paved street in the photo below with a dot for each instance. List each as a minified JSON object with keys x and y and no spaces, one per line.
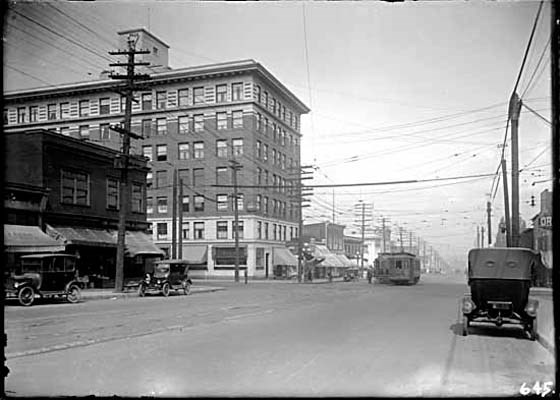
{"x":269,"y":339}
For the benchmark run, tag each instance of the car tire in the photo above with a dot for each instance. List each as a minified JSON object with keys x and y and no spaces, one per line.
{"x":141,"y":290}
{"x":465,"y":325}
{"x":165,"y":289}
{"x":74,"y":294}
{"x":186,"y":288}
{"x":533,"y":330}
{"x":26,"y":296}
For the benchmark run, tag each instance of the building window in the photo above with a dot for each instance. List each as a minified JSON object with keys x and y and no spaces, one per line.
{"x":161,"y":100}
{"x":199,"y":122}
{"x":221,"y":149}
{"x":33,"y":113}
{"x":259,"y":230}
{"x":222,"y":176}
{"x":259,"y":122}
{"x":274,"y":237}
{"x":184,"y":150}
{"x":222,"y":202}
{"x":161,"y":126}
{"x":183,"y":95}
{"x":198,"y":230}
{"x":266,"y":230}
{"x":221,"y":120}
{"x":198,"y":150}
{"x":149,"y":205}
{"x":259,"y":146}
{"x":149,"y":178}
{"x":186,"y":230}
{"x":113,"y":193}
{"x":237,"y":147}
{"x":258,"y":93}
{"x":123,"y":103}
{"x":51,"y":111}
{"x":238,"y":119}
{"x":183,"y":122}
{"x":239,"y":202}
{"x":266,"y":100}
{"x":104,"y":106}
{"x":161,"y":152}
{"x":21,"y":115}
{"x":274,"y":157}
{"x":221,"y":230}
{"x":105,"y":131}
{"x":162,"y":205}
{"x":239,"y":229}
{"x":198,"y":93}
{"x":221,"y":93}
{"x":236,"y":91}
{"x":198,"y":203}
{"x":161,"y":179}
{"x":84,"y":131}
{"x":185,"y":204}
{"x":184,"y":176}
{"x":74,"y":188}
{"x":146,"y":128}
{"x":83,"y":107}
{"x":265,"y":152}
{"x":146,"y":101}
{"x":147,"y":152}
{"x":137,"y":197}
{"x":265,"y":204}
{"x":162,"y":231}
{"x":265,"y":130}
{"x":64,"y":110}
{"x":198,"y":176}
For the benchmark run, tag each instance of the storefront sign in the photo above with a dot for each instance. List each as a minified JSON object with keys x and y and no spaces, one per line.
{"x":545,"y":222}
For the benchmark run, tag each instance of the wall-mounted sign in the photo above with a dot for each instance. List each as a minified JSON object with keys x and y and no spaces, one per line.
{"x":545,"y":221}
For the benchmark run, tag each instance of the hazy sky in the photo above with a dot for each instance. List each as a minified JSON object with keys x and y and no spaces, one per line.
{"x":414,"y":90}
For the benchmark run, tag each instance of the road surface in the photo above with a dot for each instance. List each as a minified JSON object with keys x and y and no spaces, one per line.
{"x":346,"y":339}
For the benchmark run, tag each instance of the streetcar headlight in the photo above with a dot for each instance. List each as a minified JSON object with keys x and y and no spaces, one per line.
{"x":532,"y":306}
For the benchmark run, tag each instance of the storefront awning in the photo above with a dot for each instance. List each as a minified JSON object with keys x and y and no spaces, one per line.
{"x":138,"y":243}
{"x":283,"y":256}
{"x":82,"y":236}
{"x":29,"y":239}
{"x":195,"y":254}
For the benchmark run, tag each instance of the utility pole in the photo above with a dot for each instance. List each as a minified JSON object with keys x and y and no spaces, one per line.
{"x":400,"y":238}
{"x":482,"y":236}
{"x":477,"y":236}
{"x":235,"y":166}
{"x":363,"y":238}
{"x":410,"y":241}
{"x":122,"y":162}
{"x":383,"y":222}
{"x":514,"y":108}
{"x":180,"y":247}
{"x":489,"y":222}
{"x":555,"y":90}
{"x":333,"y":216}
{"x":302,"y":173}
{"x":506,"y":204}
{"x":174,"y":217}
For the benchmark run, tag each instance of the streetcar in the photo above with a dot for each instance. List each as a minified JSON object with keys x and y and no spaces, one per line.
{"x":400,"y":268}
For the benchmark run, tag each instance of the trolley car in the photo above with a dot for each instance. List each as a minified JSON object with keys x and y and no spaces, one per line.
{"x":400,"y":268}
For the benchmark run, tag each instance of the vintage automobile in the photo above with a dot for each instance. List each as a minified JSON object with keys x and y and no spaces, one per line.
{"x":46,"y":275}
{"x":499,"y":280}
{"x":167,"y":275}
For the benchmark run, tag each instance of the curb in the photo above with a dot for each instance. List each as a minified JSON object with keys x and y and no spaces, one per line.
{"x":545,"y":343}
{"x":115,"y":296}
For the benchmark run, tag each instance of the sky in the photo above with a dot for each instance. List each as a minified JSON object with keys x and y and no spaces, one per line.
{"x":397,"y":92}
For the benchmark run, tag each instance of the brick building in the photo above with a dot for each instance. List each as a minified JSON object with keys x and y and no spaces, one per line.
{"x":193,"y":120}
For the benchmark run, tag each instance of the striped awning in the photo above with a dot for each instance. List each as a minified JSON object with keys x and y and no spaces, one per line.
{"x":29,"y":239}
{"x":283,"y":256}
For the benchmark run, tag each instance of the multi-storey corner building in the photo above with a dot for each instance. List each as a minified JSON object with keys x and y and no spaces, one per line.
{"x":194,"y":120}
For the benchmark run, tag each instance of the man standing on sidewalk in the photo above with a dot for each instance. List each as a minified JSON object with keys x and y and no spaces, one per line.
{"x":369,"y":275}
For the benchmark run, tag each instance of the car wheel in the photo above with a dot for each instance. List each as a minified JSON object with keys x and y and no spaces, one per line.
{"x":186,"y":287}
{"x":465,"y":325}
{"x":73,"y":295}
{"x":142,"y":290}
{"x":26,"y":296}
{"x":165,"y":289}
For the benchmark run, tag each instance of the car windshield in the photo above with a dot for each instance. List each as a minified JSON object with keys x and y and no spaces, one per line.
{"x":161,"y":269}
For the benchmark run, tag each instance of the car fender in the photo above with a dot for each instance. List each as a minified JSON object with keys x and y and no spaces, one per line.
{"x":69,"y":284}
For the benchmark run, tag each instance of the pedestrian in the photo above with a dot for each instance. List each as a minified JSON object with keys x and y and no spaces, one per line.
{"x":369,"y":275}
{"x":330,"y":276}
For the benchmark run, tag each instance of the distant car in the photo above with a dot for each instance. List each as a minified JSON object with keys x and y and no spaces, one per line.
{"x":499,"y":281}
{"x":46,"y":275}
{"x":168,"y":275}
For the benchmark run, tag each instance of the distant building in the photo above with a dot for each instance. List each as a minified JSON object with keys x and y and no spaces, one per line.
{"x":329,"y":234}
{"x":69,"y":188}
{"x":193,"y":120}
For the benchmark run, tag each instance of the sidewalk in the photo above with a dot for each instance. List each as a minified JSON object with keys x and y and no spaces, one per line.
{"x":545,"y":317}
{"x":100,"y":294}
{"x":262,"y":281}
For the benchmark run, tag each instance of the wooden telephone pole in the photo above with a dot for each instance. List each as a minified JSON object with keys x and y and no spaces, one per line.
{"x":235,"y":167}
{"x":122,"y":161}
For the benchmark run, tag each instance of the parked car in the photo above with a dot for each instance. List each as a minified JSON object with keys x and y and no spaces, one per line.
{"x":168,"y":275}
{"x":499,"y":280}
{"x":46,"y":275}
